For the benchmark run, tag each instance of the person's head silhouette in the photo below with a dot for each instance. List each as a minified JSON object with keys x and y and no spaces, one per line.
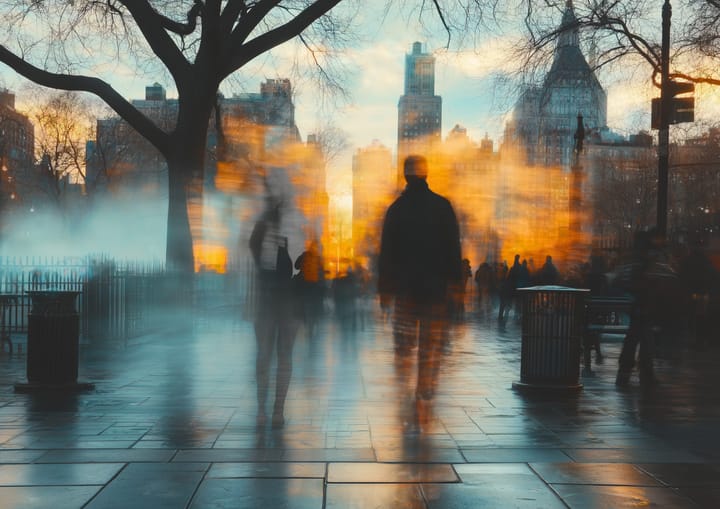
{"x":415,"y":168}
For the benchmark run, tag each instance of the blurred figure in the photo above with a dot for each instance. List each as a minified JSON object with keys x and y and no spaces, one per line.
{"x":345,"y":293}
{"x":548,"y":273}
{"x":524,"y":278}
{"x":508,"y":289}
{"x":420,"y":267}
{"x":486,"y":288}
{"x":276,"y":321}
{"x":459,"y":310}
{"x":364,"y":301}
{"x":649,"y":280}
{"x":310,"y":287}
{"x":595,"y":277}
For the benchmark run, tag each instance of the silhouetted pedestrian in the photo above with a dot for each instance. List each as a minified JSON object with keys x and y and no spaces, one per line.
{"x":420,"y":267}
{"x":548,"y":273}
{"x":508,"y":289}
{"x":345,"y":294}
{"x":649,"y":279}
{"x":276,"y":321}
{"x":310,"y":286}
{"x":486,"y":282}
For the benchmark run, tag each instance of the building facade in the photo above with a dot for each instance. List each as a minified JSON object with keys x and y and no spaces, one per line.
{"x":373,"y":189}
{"x":17,"y":152}
{"x":545,"y":117}
{"x":419,"y":109}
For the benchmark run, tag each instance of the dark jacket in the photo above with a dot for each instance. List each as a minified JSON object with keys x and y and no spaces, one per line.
{"x":420,"y":247}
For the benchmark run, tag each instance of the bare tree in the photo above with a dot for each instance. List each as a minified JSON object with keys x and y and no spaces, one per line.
{"x":63,"y":123}
{"x":629,"y":33}
{"x":332,"y":141}
{"x":199,"y":43}
{"x":625,"y":194}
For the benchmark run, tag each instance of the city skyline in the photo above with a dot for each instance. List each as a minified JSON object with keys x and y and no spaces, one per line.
{"x":470,"y":81}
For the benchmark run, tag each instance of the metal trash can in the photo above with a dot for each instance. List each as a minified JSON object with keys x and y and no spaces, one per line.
{"x":553,"y":323}
{"x":53,"y":341}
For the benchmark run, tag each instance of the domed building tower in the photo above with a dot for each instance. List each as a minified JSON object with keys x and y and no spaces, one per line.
{"x":545,"y":118}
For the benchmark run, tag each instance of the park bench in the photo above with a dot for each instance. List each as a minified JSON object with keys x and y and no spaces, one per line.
{"x":606,"y":314}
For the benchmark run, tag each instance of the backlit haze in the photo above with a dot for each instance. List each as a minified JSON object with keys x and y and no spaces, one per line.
{"x":473,"y":97}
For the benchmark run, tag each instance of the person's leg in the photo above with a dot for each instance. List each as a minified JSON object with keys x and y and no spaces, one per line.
{"x":265,"y":338}
{"x":503,"y":305}
{"x":626,"y":363}
{"x":404,"y":326}
{"x":432,"y":335}
{"x":646,"y":356}
{"x":287,"y":330}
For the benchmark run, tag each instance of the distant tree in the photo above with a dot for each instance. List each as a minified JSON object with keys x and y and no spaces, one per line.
{"x":63,"y":122}
{"x":332,"y":141}
{"x":625,"y":194}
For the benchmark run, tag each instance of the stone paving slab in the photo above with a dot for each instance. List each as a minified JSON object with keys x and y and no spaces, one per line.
{"x":270,"y":493}
{"x":159,"y":485}
{"x":621,"y":497}
{"x":171,"y":423}
{"x":68,"y":474}
{"x":390,"y":473}
{"x":91,"y":455}
{"x":42,"y":497}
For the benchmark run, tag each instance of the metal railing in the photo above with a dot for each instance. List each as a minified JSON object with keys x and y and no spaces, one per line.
{"x":116,"y":300}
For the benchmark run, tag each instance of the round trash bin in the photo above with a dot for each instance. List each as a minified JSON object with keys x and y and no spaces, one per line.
{"x":553,"y":322}
{"x":53,"y":341}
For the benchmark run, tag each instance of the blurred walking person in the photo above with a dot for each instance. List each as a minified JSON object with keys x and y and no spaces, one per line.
{"x":276,"y":317}
{"x":420,"y":268}
{"x":651,"y":282}
{"x":486,"y":282}
{"x":310,"y":286}
{"x":508,"y":290}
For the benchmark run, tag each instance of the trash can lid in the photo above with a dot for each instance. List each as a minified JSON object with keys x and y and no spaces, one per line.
{"x":552,"y":288}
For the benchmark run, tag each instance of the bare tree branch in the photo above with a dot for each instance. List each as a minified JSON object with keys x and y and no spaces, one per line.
{"x":88,"y":84}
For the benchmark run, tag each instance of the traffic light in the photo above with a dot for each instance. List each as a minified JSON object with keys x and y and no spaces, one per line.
{"x":682,"y":109}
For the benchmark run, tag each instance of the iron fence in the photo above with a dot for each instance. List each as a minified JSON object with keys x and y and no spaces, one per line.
{"x":116,"y":300}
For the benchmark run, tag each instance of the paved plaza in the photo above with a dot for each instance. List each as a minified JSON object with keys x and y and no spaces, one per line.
{"x":172,"y":424}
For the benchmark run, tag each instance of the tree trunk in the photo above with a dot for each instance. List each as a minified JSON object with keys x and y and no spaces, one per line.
{"x":186,"y":162}
{"x":179,"y":247}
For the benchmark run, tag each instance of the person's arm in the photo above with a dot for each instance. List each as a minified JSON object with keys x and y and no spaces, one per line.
{"x":256,"y":240}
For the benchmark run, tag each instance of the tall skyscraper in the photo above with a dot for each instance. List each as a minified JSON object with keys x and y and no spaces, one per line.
{"x":419,"y":109}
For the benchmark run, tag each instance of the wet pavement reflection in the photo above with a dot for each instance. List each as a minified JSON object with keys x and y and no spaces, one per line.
{"x":172,"y":422}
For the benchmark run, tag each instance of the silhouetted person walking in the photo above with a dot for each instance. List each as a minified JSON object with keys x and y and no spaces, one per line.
{"x":508,"y":289}
{"x":648,"y":278}
{"x":310,"y":286}
{"x":276,"y":321}
{"x":548,"y":274}
{"x":420,"y":267}
{"x":485,"y":279}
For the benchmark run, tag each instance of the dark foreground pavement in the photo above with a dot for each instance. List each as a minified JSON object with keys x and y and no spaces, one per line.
{"x":171,"y":424}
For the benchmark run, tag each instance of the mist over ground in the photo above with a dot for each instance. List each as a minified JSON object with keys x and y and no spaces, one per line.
{"x":123,"y":228}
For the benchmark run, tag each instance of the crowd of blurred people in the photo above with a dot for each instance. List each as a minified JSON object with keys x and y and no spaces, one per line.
{"x":423,"y":285}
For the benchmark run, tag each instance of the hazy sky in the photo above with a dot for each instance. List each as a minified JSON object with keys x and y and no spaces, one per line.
{"x":373,"y":75}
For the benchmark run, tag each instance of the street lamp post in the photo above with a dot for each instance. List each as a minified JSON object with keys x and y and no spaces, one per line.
{"x":664,"y":127}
